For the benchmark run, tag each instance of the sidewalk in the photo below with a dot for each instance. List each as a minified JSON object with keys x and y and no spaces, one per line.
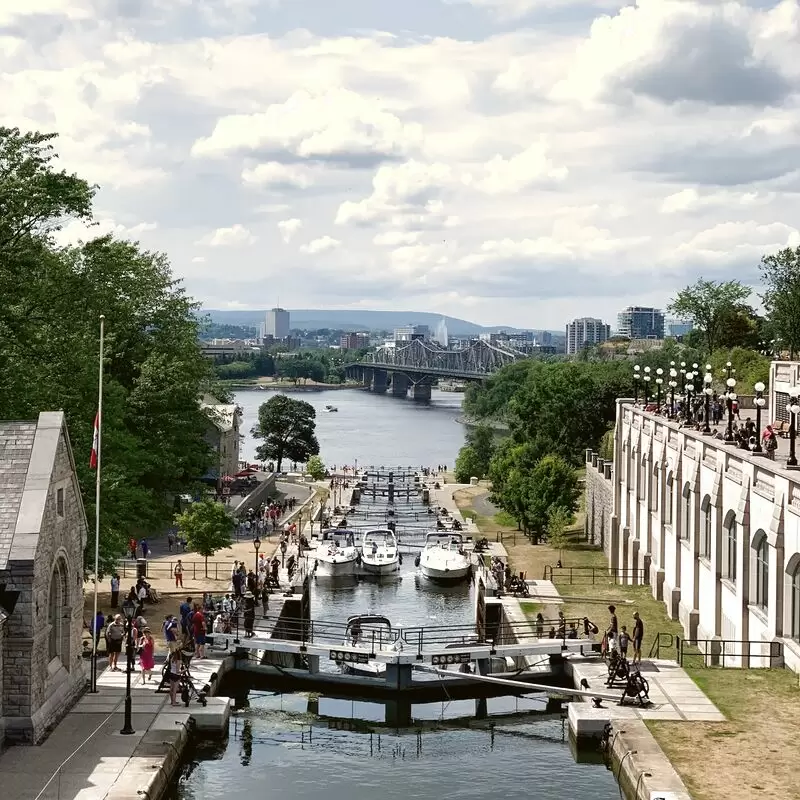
{"x":113,"y":765}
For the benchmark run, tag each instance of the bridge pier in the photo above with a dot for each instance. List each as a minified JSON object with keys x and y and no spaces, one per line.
{"x":380,"y":381}
{"x":400,"y":384}
{"x":421,"y":392}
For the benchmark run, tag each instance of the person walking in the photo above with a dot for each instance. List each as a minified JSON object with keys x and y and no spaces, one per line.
{"x":171,"y":540}
{"x":174,"y":671}
{"x":199,"y":632}
{"x":115,"y":633}
{"x":99,"y":626}
{"x":637,"y":637}
{"x":115,"y":591}
{"x":178,"y":572}
{"x":132,"y":545}
{"x":145,"y":548}
{"x":147,"y":654}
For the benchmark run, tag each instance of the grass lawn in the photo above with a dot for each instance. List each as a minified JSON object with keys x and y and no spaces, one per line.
{"x":756,"y":751}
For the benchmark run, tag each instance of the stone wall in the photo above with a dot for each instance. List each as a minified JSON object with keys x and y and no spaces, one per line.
{"x":599,"y":501}
{"x":259,"y":495}
{"x":42,"y":676}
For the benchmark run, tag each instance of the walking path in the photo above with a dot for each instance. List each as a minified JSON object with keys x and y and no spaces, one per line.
{"x":109,"y":765}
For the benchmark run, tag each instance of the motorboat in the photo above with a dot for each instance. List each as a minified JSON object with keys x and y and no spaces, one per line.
{"x":336,"y":555}
{"x":329,"y":409}
{"x":443,"y":558}
{"x":379,"y":553}
{"x":370,"y":633}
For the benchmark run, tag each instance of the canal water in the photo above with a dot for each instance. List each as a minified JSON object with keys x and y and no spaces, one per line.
{"x":332,"y":749}
{"x":375,"y":429}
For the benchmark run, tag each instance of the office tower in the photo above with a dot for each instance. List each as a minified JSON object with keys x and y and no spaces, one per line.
{"x":585,"y":332}
{"x":641,"y":322}
{"x":276,"y":324}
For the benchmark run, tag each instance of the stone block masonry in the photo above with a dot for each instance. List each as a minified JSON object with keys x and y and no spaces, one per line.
{"x":599,"y":503}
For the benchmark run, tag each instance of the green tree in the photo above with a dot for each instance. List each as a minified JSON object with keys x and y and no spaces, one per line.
{"x":207,"y":527}
{"x":287,"y":427}
{"x":781,"y":274}
{"x":468,"y":465}
{"x":316,"y":468}
{"x":710,"y":305}
{"x":558,"y":521}
{"x":553,"y":484}
{"x":475,"y":457}
{"x":236,"y":369}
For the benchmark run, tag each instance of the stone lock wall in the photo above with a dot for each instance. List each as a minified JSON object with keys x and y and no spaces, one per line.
{"x":599,"y":501}
{"x":37,"y":689}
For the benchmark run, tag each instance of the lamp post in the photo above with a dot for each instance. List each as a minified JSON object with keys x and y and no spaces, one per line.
{"x":730,"y":396}
{"x":646,"y":385}
{"x":708,"y":390}
{"x":636,"y":378}
{"x":128,"y":609}
{"x":673,"y":384}
{"x":257,"y":546}
{"x":794,"y":409}
{"x":659,"y":384}
{"x":760,"y":402}
{"x":688,"y":396}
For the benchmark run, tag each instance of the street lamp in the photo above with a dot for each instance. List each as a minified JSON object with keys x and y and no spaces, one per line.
{"x":708,"y":390}
{"x":760,"y":402}
{"x":794,"y":409}
{"x":257,"y":546}
{"x":659,"y":383}
{"x":689,"y":389}
{"x":730,"y":396}
{"x":128,"y":609}
{"x":646,"y":384}
{"x":673,"y":384}
{"x":636,"y":378}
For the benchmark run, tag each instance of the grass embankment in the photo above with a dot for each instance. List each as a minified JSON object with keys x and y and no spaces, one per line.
{"x":754,"y":753}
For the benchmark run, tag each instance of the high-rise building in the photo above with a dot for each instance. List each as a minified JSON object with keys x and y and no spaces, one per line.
{"x":354,"y":341}
{"x":641,"y":322}
{"x":276,"y":324}
{"x":678,"y":328}
{"x":408,"y":333}
{"x":585,"y":332}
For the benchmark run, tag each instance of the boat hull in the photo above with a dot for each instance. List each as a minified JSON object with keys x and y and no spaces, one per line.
{"x":440,"y":574}
{"x":326,"y":568}
{"x":382,"y":567}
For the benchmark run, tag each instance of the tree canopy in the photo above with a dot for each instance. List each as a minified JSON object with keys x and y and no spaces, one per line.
{"x":52,"y":298}
{"x":781,"y":274}
{"x":288,"y":430}
{"x":207,"y":527}
{"x":475,"y":456}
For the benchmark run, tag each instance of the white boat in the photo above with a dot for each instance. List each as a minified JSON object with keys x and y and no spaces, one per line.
{"x":336,"y":555}
{"x":370,"y":633}
{"x":443,"y":558}
{"x":379,"y":553}
{"x":331,"y":408}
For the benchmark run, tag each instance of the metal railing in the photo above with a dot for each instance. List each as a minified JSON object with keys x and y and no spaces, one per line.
{"x":737,"y":653}
{"x":593,"y":575}
{"x":662,"y":640}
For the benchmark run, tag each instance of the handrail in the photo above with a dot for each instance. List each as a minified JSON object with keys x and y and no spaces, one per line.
{"x":619,"y":574}
{"x":669,"y":642}
{"x":715,"y":651}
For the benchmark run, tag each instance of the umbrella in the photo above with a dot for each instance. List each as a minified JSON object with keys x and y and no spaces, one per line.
{"x":245,"y":472}
{"x":227,"y":479}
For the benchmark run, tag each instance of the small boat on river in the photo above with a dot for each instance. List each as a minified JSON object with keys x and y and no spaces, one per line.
{"x":370,"y":633}
{"x":336,"y":555}
{"x":379,"y":553}
{"x":443,"y":558}
{"x":330,"y":409}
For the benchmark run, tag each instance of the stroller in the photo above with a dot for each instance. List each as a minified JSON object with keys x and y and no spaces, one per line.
{"x":187,"y":688}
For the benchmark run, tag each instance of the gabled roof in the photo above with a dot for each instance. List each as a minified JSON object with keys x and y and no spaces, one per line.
{"x":222,"y":415}
{"x":28,"y":453}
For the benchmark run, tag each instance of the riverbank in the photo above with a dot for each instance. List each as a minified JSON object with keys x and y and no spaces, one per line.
{"x":287,"y":386}
{"x":754,"y":749}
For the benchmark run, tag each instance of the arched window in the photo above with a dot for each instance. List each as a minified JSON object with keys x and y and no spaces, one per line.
{"x":668,"y":499}
{"x":730,"y":549}
{"x":794,"y":604}
{"x":762,"y":572}
{"x":705,"y":542}
{"x":686,"y":518}
{"x":58,"y":607}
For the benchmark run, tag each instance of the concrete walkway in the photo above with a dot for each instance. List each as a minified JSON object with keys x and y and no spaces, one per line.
{"x":110,"y":765}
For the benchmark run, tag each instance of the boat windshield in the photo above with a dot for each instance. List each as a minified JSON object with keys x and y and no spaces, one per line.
{"x":449,"y":541}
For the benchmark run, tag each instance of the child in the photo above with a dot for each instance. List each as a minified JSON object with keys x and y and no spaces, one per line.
{"x":623,"y":642}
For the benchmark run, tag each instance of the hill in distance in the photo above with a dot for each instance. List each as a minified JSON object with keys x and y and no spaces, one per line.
{"x":357,"y":320}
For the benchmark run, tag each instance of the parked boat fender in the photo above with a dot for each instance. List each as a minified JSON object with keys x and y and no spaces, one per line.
{"x":416,"y":561}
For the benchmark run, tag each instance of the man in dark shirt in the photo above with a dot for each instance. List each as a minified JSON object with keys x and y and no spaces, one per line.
{"x":636,"y":637}
{"x":611,"y":632}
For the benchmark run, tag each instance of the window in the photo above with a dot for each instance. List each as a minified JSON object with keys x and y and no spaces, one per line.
{"x":654,"y":489}
{"x":730,"y":554}
{"x":60,"y":502}
{"x":762,"y":573}
{"x":705,"y":544}
{"x":686,"y":520}
{"x":794,"y":604}
{"x":668,"y":501}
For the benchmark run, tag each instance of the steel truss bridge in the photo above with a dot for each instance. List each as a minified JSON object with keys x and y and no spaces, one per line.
{"x":419,"y":361}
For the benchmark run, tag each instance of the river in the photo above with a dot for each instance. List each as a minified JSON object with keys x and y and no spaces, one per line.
{"x":278,"y":747}
{"x":373,"y":428}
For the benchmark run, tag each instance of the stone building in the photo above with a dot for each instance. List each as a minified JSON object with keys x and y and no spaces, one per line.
{"x":224,"y":438}
{"x":42,"y":539}
{"x":714,"y":529}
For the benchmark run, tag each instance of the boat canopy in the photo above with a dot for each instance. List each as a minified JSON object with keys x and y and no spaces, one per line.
{"x":368,"y":619}
{"x":452,"y":537}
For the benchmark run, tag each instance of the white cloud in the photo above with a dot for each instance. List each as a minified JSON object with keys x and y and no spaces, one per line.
{"x":689,"y":200}
{"x":395,"y":238}
{"x":289,"y":227}
{"x":235,"y":236}
{"x":322,"y":245}
{"x":531,"y":166}
{"x":273,"y":175}
{"x":77,"y":231}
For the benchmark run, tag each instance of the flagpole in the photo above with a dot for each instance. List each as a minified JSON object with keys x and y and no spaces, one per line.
{"x":95,"y":637}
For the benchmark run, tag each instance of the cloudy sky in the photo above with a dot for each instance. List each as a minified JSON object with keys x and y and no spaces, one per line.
{"x":507,"y":161}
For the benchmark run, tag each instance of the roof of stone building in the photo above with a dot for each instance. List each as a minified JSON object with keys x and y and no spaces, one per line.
{"x":16,"y":446}
{"x":223,"y":415}
{"x":28,"y":453}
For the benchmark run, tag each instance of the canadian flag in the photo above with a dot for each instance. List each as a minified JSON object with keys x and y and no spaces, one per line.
{"x":93,"y":458}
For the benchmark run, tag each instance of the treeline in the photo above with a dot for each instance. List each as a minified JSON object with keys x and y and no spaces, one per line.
{"x":321,"y":366}
{"x":52,"y":299}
